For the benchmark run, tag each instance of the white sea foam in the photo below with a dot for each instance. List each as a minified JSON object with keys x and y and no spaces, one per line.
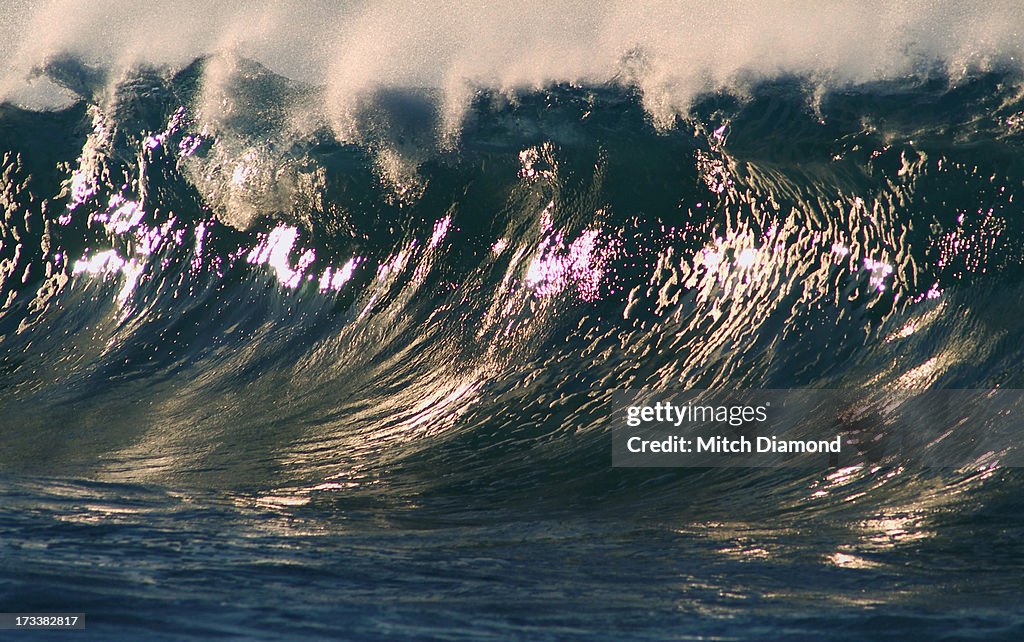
{"x":670,"y":50}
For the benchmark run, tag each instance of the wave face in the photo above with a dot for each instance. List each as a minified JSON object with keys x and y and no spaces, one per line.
{"x":372,"y":372}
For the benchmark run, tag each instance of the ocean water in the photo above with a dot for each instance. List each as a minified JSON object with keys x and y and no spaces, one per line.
{"x":311,"y":317}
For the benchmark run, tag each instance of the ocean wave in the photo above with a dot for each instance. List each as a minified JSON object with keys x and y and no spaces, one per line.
{"x":260,"y":301}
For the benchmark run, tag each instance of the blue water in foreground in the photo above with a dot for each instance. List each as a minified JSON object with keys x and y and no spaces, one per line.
{"x":145,"y":562}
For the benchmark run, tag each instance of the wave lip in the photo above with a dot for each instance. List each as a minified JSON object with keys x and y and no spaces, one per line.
{"x":671,"y":53}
